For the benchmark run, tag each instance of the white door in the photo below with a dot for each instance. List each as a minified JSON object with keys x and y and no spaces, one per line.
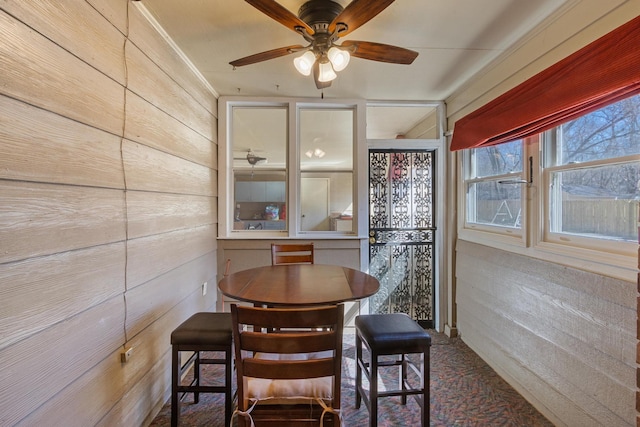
{"x":314,"y":204}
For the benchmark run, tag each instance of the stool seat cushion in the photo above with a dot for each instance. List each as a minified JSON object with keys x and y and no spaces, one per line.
{"x":392,"y":333}
{"x":204,"y":329}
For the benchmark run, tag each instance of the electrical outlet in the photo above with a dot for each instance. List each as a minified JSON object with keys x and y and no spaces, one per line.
{"x":126,"y":355}
{"x":204,"y":288}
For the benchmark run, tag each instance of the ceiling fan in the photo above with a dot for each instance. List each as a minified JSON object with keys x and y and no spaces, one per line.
{"x":251,"y":158}
{"x":321,"y":23}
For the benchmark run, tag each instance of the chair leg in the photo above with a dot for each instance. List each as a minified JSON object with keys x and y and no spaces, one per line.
{"x":228,"y":395}
{"x":175,"y":379}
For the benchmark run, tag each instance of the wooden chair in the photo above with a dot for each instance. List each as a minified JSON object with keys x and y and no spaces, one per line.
{"x":292,"y":253}
{"x":291,"y":374}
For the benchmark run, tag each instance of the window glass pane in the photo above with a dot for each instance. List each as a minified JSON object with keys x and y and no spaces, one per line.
{"x":613,"y":131}
{"x":496,"y":160}
{"x":596,"y":202}
{"x":326,"y":139}
{"x":259,"y":136}
{"x":491,"y":203}
{"x":326,"y":164}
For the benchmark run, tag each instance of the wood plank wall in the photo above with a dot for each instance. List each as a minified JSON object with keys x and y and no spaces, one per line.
{"x":108,"y":187}
{"x":564,"y":338}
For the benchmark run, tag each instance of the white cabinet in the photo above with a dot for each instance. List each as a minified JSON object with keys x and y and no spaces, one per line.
{"x":243,"y":191}
{"x":274,"y":191}
{"x":260,"y":191}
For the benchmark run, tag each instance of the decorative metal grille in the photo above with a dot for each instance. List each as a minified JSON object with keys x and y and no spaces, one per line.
{"x":401,"y":232}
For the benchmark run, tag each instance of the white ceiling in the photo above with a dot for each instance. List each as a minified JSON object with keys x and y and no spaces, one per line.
{"x":454,"y":38}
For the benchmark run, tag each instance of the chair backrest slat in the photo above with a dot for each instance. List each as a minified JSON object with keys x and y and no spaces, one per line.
{"x":289,"y":343}
{"x":301,"y":253}
{"x":288,"y":370}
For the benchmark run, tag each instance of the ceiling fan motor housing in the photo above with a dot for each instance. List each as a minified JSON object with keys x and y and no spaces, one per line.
{"x":318,"y":14}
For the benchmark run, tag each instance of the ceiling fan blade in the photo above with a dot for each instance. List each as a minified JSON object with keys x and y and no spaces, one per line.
{"x":381,"y":52}
{"x":264,"y":56}
{"x":357,"y":13}
{"x":316,"y":74}
{"x":281,"y":14}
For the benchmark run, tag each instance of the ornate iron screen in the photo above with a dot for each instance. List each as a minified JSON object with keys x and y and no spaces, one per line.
{"x":401,"y":232}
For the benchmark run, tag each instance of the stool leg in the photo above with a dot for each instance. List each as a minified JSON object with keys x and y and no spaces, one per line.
{"x":358,"y":370}
{"x":175,"y":379}
{"x":403,"y":377}
{"x":373,"y":390}
{"x":426,"y":387}
{"x":196,"y":377}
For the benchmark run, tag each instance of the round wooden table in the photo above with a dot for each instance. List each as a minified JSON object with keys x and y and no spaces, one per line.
{"x":298,"y":284}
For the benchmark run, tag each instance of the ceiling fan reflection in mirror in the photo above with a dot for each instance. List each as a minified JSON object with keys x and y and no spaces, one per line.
{"x":252,"y":159}
{"x":321,"y":23}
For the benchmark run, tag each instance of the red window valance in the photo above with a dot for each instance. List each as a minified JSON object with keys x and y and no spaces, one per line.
{"x":605,"y":71}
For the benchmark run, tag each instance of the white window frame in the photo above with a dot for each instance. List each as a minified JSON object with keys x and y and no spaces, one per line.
{"x":595,"y":255}
{"x":499,"y":235}
{"x":592,"y":253}
{"x":225,"y":168}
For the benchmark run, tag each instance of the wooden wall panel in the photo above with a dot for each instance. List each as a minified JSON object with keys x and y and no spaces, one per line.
{"x":124,"y":392}
{"x":151,"y":348}
{"x":155,"y":46}
{"x":114,"y":11}
{"x":42,"y":219}
{"x":37,"y":145}
{"x":47,"y":76}
{"x":152,"y":170}
{"x":149,"y":257}
{"x":551,"y":329}
{"x":73,"y":189}
{"x":154,"y":213}
{"x":144,"y":398}
{"x":90,"y":396}
{"x":173,"y":137}
{"x":77,"y":27}
{"x":585,"y":372}
{"x":39,"y":292}
{"x":549,"y":401}
{"x":154,"y":85}
{"x":149,"y":301}
{"x":54,"y":358}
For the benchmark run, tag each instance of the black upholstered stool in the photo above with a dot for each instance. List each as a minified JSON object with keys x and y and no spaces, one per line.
{"x":201,"y":332}
{"x":392,"y":334}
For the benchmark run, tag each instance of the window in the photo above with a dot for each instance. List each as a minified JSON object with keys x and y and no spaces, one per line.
{"x":289,"y":168}
{"x":571,"y":194}
{"x":592,"y":168}
{"x":493,"y":186}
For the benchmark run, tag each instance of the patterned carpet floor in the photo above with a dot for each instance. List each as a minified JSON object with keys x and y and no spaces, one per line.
{"x":465,"y":391}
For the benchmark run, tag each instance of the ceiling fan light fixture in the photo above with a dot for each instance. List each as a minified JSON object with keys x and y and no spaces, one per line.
{"x":304,"y":63}
{"x":326,"y":72}
{"x":339,"y":58}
